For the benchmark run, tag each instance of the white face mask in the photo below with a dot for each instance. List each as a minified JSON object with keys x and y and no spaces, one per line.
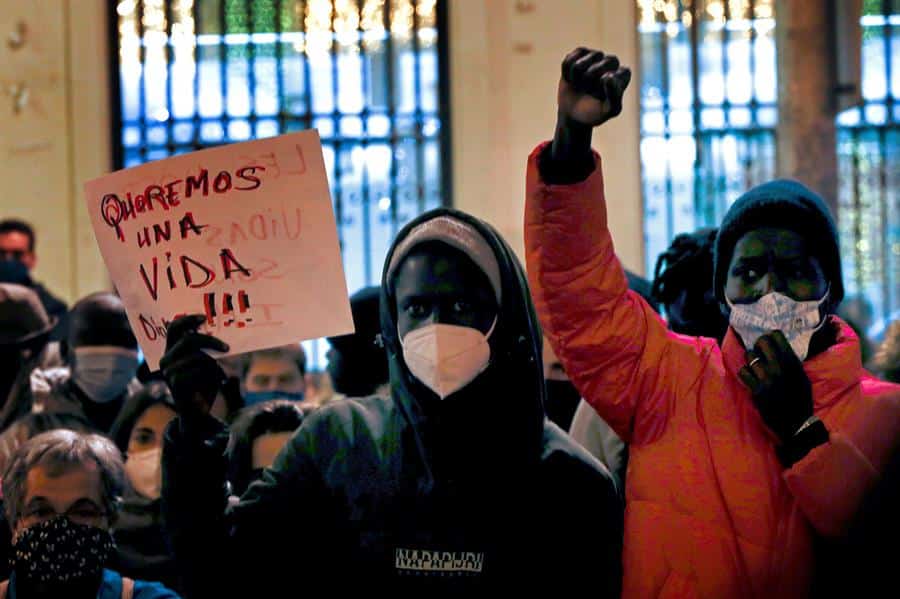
{"x":144,"y":470}
{"x":446,"y":357}
{"x":777,"y":312}
{"x":104,"y":371}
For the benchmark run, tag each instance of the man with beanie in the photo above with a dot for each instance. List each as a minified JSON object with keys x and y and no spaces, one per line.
{"x":357,"y":363}
{"x":744,"y":454}
{"x":454,"y":482}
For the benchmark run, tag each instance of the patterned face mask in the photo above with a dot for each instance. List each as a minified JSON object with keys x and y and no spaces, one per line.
{"x":60,"y":551}
{"x":777,"y":312}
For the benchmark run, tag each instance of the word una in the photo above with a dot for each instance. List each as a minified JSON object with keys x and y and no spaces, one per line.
{"x":209,"y":306}
{"x":163,"y":231}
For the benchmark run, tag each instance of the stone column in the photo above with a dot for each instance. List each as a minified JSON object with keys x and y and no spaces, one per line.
{"x":807,"y":142}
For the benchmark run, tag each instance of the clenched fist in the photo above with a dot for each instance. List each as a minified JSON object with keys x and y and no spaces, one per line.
{"x":591,"y":87}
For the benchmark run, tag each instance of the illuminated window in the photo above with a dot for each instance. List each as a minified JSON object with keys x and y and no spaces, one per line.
{"x":707,"y":111}
{"x":366,"y":73}
{"x":869,"y":169}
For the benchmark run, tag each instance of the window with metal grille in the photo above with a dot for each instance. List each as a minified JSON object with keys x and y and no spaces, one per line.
{"x":708,"y":119}
{"x":707,"y":110}
{"x":869,"y":170}
{"x":368,"y":74}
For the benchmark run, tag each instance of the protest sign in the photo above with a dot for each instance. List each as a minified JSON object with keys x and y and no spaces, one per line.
{"x":243,"y":233}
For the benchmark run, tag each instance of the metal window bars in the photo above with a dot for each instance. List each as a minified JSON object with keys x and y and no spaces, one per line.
{"x":370,"y":75}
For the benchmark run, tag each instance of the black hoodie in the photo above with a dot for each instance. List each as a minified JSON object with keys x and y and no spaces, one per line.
{"x":408,"y":493}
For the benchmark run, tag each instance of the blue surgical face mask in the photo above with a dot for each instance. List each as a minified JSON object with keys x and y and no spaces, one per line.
{"x":255,"y":397}
{"x":103,"y":372}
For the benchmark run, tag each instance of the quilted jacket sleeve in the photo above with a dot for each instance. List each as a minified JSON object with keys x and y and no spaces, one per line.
{"x":833,"y":480}
{"x":614,"y":347}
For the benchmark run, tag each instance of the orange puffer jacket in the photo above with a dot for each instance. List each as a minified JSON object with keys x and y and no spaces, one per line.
{"x":710,"y":510}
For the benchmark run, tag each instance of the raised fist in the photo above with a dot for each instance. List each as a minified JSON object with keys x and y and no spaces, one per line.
{"x":591,"y":87}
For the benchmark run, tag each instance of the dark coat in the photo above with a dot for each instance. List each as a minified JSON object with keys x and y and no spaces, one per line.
{"x":400,"y":494}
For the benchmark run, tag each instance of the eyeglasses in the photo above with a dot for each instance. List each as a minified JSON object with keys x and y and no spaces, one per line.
{"x":89,"y":515}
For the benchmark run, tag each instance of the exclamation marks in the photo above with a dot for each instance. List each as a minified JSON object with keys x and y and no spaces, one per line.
{"x":243,"y":300}
{"x":209,"y":306}
{"x":243,"y":306}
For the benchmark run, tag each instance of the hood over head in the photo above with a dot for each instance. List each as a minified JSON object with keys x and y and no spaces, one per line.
{"x":502,"y":410}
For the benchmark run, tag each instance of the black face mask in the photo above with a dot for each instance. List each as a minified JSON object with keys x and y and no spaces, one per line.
{"x":13,"y":271}
{"x":562,"y":401}
{"x":59,"y":553}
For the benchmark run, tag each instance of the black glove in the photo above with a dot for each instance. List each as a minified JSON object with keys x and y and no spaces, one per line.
{"x":193,"y":376}
{"x":780,"y":388}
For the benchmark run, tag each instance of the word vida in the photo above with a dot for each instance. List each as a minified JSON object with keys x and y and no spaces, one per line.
{"x":115,"y":210}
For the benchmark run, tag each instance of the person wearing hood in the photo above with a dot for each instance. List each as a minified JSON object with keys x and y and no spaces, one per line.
{"x":455,"y":481}
{"x":742,"y":455}
{"x":101,"y":352}
{"x":17,"y":259}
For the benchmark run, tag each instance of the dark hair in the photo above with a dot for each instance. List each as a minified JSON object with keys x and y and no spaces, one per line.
{"x":293,"y":352}
{"x":14,"y":225}
{"x":275,"y":416}
{"x":36,"y":423}
{"x":688,"y":262}
{"x":156,"y":392}
{"x":683,"y":283}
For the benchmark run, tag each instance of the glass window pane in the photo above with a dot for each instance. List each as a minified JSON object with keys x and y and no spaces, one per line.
{"x":366,"y":74}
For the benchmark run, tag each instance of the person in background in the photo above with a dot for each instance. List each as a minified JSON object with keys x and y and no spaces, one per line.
{"x":887,"y":360}
{"x":29,"y":426}
{"x":454,"y":482}
{"x":61,"y":494}
{"x":257,"y":436}
{"x":101,"y":351}
{"x":24,"y":331}
{"x":17,"y":259}
{"x":683,"y":284}
{"x":357,"y":363}
{"x":742,"y":454}
{"x":276,"y":373}
{"x":141,"y":547}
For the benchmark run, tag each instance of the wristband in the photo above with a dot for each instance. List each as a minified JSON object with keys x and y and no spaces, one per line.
{"x":808,"y":437}
{"x":806,"y":424}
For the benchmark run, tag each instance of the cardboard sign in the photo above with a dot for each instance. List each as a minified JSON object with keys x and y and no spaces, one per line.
{"x":243,"y":233}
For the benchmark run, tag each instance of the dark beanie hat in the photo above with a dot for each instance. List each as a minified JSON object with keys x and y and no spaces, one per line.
{"x":783,"y":204}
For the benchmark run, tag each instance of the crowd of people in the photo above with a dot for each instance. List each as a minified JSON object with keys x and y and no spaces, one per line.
{"x":717,"y":431}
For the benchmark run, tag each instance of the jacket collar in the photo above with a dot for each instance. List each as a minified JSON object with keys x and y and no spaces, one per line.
{"x":831,"y":372}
